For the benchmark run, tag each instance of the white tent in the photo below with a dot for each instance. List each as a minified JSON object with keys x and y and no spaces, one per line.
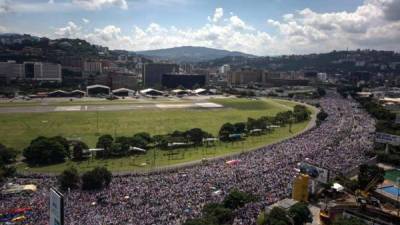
{"x":200,"y":91}
{"x":151,"y":91}
{"x":337,"y":187}
{"x":136,"y":149}
{"x":123,"y":91}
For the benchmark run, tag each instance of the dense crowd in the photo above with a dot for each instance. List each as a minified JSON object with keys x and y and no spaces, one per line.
{"x":338,"y":144}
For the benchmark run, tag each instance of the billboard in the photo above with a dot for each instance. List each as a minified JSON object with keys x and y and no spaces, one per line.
{"x":56,"y":207}
{"x":387,"y":138}
{"x":317,"y":173}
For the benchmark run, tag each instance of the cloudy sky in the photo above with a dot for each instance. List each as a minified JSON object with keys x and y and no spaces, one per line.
{"x":261,"y":27}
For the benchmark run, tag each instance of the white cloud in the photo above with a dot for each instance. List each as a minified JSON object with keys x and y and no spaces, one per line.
{"x":86,"y":21}
{"x":5,"y":6}
{"x":371,"y":25}
{"x":218,"y":14}
{"x":231,"y":33}
{"x":3,"y":29}
{"x":70,"y":31}
{"x":99,"y":4}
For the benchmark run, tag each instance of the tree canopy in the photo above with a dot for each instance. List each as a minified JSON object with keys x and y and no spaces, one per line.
{"x":300,"y":213}
{"x":69,"y":178}
{"x":97,"y":178}
{"x":42,"y":151}
{"x":367,"y":173}
{"x":7,"y":155}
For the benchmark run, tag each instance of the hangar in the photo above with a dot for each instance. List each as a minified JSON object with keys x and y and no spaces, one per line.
{"x":151,"y":92}
{"x":123,"y":92}
{"x":97,"y":90}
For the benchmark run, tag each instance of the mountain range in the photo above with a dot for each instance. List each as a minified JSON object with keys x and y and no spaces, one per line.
{"x":191,"y":54}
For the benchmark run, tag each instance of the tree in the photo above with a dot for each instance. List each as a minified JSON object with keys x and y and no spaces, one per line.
{"x":348,"y":221}
{"x":144,"y":135}
{"x":196,"y":135}
{"x":278,"y":216}
{"x":251,"y":124}
{"x":283,"y":117}
{"x":97,"y":178}
{"x":69,"y":178}
{"x":301,"y":113}
{"x":77,"y":151}
{"x":6,"y":171}
{"x":322,"y":115}
{"x":105,"y":141}
{"x":237,"y":199}
{"x":300,"y":213}
{"x":367,"y":173}
{"x":43,"y":150}
{"x":240,"y":127}
{"x":321,"y":92}
{"x":225,"y":131}
{"x":7,"y":155}
{"x":64,"y":142}
{"x":219,"y":213}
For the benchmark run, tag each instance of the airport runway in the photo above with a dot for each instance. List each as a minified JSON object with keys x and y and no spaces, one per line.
{"x":91,"y":108}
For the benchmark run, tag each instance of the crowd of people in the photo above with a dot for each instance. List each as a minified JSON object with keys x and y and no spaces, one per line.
{"x":170,"y":198}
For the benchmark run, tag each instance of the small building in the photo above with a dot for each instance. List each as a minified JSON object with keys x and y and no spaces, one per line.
{"x":181,"y":92}
{"x":77,"y":93}
{"x":151,"y":92}
{"x":97,"y":89}
{"x":58,"y":93}
{"x":123,"y":92}
{"x":201,"y":91}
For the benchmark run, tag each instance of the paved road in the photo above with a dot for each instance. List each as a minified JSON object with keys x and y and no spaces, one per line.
{"x":116,"y":107}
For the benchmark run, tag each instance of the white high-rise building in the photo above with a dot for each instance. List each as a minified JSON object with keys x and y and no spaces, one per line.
{"x":322,"y":77}
{"x":42,"y":71}
{"x":224,"y":69}
{"x":10,"y":70}
{"x":92,"y":67}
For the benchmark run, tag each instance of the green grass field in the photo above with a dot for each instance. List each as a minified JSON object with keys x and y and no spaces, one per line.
{"x":18,"y":129}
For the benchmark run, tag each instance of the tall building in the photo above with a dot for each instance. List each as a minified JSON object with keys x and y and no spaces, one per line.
{"x":225,"y":68}
{"x":245,"y":76}
{"x":72,"y":63}
{"x":92,"y":67}
{"x":188,"y":81}
{"x":124,"y":81}
{"x":152,"y":73}
{"x":11,"y":70}
{"x":42,"y":71}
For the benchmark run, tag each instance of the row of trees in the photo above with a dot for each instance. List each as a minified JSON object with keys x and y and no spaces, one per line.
{"x":97,"y":178}
{"x":366,"y":174}
{"x":222,"y":213}
{"x":300,"y":113}
{"x":384,"y":124}
{"x":51,"y":150}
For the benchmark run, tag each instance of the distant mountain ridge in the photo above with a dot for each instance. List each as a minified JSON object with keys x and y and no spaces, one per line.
{"x":191,"y":54}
